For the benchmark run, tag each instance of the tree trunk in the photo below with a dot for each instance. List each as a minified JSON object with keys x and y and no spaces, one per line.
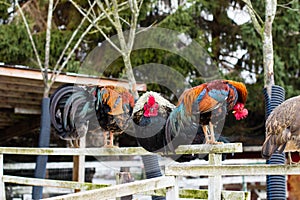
{"x":130,"y":75}
{"x":268,"y":54}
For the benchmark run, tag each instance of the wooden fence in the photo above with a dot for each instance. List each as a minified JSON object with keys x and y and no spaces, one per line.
{"x":166,"y":185}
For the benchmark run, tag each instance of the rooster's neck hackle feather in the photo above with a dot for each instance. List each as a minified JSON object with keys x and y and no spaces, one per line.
{"x":189,"y":97}
{"x":241,"y":89}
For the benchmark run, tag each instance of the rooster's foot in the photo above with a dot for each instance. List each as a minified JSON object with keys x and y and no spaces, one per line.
{"x":110,"y":146}
{"x":213,"y":142}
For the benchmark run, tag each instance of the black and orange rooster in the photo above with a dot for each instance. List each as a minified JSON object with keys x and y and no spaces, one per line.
{"x":150,"y":115}
{"x":282,"y":126}
{"x":74,"y":110}
{"x":205,"y":105}
{"x":114,"y":106}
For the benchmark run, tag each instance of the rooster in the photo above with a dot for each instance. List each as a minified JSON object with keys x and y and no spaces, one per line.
{"x":150,"y":114}
{"x":71,"y":108}
{"x":75,"y":110}
{"x":204,"y":105}
{"x":114,"y":106}
{"x":282,"y":126}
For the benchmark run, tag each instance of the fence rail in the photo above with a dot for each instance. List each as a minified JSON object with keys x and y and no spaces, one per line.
{"x":167,"y":185}
{"x":124,"y":151}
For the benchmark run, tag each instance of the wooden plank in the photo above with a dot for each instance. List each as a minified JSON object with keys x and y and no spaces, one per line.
{"x":66,"y":78}
{"x":2,"y":186}
{"x":20,"y":81}
{"x":23,"y":94}
{"x":203,"y":194}
{"x":20,"y":128}
{"x":121,"y":178}
{"x":184,"y":149}
{"x":215,"y":182}
{"x":233,"y":170}
{"x":22,"y":88}
{"x":172,"y":193}
{"x":78,"y":164}
{"x":20,"y":100}
{"x":121,"y":190}
{"x":52,"y":183}
{"x":251,"y":148}
{"x":28,"y":111}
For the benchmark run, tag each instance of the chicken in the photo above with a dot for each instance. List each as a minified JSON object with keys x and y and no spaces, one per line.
{"x":114,"y":106}
{"x":205,"y":105}
{"x":71,"y":108}
{"x":75,"y":110}
{"x":282,"y":126}
{"x":150,"y":114}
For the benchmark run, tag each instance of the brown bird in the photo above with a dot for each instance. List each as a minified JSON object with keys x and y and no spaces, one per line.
{"x":282,"y":126}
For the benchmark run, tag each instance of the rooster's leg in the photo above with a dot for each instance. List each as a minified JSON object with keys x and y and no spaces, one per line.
{"x":207,"y":139}
{"x":76,"y":143}
{"x":111,"y":140}
{"x":212,"y":134}
{"x":70,"y":143}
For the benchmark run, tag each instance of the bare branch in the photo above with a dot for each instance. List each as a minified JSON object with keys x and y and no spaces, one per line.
{"x":31,"y":39}
{"x":71,"y":39}
{"x":92,"y":6}
{"x":286,"y":6}
{"x":107,"y":4}
{"x":48,"y":38}
{"x":134,"y":18}
{"x":106,"y":13}
{"x":93,"y":22}
{"x":70,"y":54}
{"x":123,"y":20}
{"x":118,"y":27}
{"x":256,"y":20}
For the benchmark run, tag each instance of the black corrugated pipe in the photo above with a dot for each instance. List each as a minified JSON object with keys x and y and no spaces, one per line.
{"x":152,"y":170}
{"x":44,"y":140}
{"x":276,"y":184}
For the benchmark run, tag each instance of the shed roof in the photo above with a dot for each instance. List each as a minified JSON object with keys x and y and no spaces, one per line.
{"x":21,"y":92}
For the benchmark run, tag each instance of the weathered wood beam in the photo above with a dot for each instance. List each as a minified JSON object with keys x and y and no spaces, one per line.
{"x":22,"y":88}
{"x":121,"y":190}
{"x":52,"y":183}
{"x":22,"y":128}
{"x":20,"y":105}
{"x":26,"y":111}
{"x":2,"y":185}
{"x":66,"y":78}
{"x":20,"y":100}
{"x":203,"y":194}
{"x":184,"y":149}
{"x":23,"y":94}
{"x":233,"y":170}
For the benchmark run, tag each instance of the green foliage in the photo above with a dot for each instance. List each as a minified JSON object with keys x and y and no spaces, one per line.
{"x":4,"y":5}
{"x":15,"y":47}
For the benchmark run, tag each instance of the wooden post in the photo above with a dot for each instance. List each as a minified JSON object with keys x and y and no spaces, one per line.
{"x":2,"y":186}
{"x":215,"y":182}
{"x":79,"y":165}
{"x":124,"y":177}
{"x":173,"y":192}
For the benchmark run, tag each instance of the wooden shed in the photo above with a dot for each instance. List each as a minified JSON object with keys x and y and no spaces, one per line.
{"x":21,"y":91}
